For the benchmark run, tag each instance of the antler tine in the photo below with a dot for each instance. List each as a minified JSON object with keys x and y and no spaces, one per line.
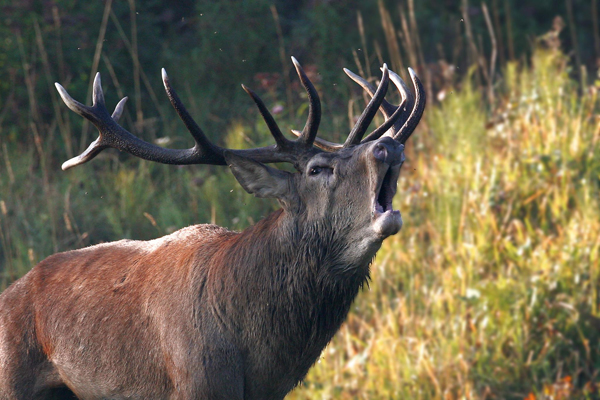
{"x":389,"y":123}
{"x":76,"y":106}
{"x":322,"y":143}
{"x":368,"y":114}
{"x":386,"y":108}
{"x":309,"y":133}
{"x":404,"y":90}
{"x":417,"y":111}
{"x":97,"y":93}
{"x":392,"y":113}
{"x":116,"y":115}
{"x":203,"y":145}
{"x":281,"y":141}
{"x":395,"y":120}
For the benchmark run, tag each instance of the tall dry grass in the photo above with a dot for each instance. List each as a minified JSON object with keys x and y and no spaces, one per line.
{"x":491,"y":288}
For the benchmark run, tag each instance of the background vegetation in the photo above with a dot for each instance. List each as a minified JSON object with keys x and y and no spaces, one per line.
{"x":491,"y":288}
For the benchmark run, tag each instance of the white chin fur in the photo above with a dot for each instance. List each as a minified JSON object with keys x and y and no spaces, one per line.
{"x":387,"y":223}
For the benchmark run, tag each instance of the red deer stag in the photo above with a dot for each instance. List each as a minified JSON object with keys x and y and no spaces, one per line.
{"x":207,"y":313}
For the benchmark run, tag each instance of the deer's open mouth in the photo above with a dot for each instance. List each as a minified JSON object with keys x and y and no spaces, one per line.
{"x":386,"y":189}
{"x":386,"y":220}
{"x":387,"y":182}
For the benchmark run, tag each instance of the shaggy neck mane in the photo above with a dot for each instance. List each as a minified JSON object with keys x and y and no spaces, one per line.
{"x":288,"y":275}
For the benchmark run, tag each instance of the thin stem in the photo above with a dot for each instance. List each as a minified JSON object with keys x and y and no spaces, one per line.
{"x":596,"y":32}
{"x":509,"y":33}
{"x":498,"y":31}
{"x":139,"y":114}
{"x":66,"y":133}
{"x":136,"y":62}
{"x":391,"y":38}
{"x":282,"y":58}
{"x":573,"y":31}
{"x":490,"y":27}
{"x":363,"y":40}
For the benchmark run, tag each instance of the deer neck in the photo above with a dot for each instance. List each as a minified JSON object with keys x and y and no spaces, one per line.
{"x":281,"y":244}
{"x":293,"y":278}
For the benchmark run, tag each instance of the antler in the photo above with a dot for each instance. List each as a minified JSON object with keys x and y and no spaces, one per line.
{"x":397,"y":124}
{"x":401,"y":128}
{"x":111,"y":134}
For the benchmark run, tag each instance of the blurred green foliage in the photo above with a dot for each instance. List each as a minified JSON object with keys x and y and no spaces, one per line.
{"x":212,"y":47}
{"x":490,"y":290}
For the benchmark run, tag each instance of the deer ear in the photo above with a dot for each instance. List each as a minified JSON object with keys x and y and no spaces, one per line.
{"x":261,"y":180}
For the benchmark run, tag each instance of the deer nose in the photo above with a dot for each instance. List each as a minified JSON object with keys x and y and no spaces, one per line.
{"x":388,"y":151}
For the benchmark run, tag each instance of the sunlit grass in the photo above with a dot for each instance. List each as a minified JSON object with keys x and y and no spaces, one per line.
{"x":491,"y":289}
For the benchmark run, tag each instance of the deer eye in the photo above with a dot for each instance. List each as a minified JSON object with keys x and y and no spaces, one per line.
{"x":315,"y":170}
{"x":319,"y":170}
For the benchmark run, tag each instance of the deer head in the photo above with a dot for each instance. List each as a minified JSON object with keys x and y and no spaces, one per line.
{"x":348,"y":186}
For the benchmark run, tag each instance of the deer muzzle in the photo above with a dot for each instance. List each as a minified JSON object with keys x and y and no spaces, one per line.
{"x":388,"y":151}
{"x":388,"y":156}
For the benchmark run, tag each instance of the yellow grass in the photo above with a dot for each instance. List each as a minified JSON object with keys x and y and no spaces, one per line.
{"x":491,"y":288}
